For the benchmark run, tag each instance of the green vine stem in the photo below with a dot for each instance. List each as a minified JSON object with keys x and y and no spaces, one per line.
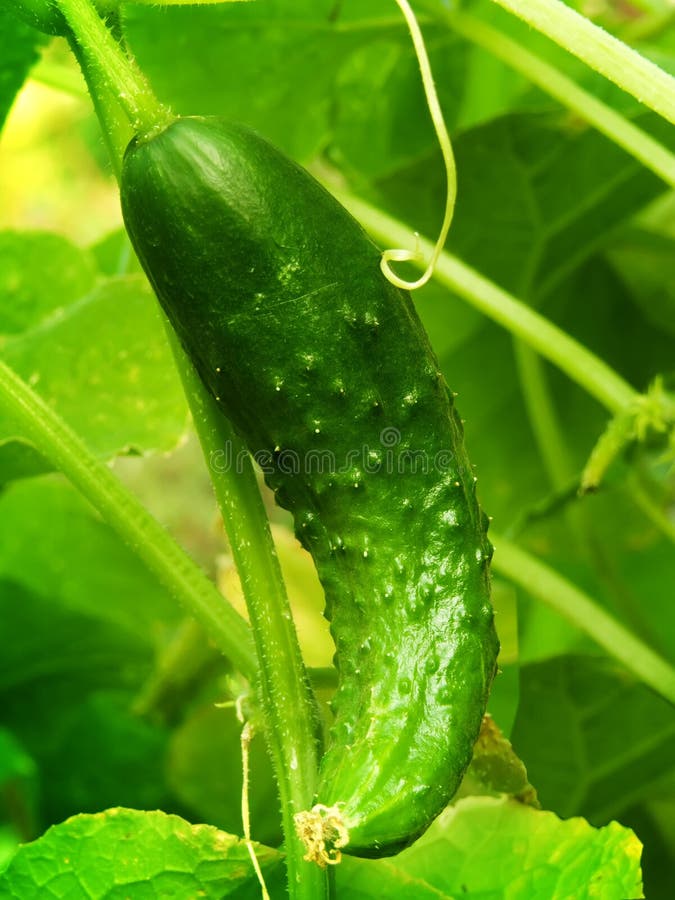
{"x":115,"y":126}
{"x":600,"y":50}
{"x":292,"y":721}
{"x":552,"y":589}
{"x":286,"y":697}
{"x":129,"y":518}
{"x":651,"y":412}
{"x":551,"y":342}
{"x":612,"y":124}
{"x":111,"y":70}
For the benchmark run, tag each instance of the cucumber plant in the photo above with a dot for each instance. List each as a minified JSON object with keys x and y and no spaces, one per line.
{"x":280,"y":302}
{"x":277,"y":296}
{"x":305,"y":341}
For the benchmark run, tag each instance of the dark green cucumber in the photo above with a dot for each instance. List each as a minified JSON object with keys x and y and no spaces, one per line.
{"x":326,"y":371}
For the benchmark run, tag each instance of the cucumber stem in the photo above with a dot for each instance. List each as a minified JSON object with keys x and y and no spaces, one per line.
{"x":290,"y":718}
{"x":110,"y":69}
{"x":116,"y":129}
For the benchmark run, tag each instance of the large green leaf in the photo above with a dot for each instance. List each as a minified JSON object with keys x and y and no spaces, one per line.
{"x":18,"y":787}
{"x":119,"y":390}
{"x":535,"y":197}
{"x":41,"y":274}
{"x":593,"y":739}
{"x":644,"y":261}
{"x":270,"y":64}
{"x":45,"y":642}
{"x":496,"y":848}
{"x":211,"y":790}
{"x":54,"y":545}
{"x":106,"y":756}
{"x":53,"y":659}
{"x":124,"y":853}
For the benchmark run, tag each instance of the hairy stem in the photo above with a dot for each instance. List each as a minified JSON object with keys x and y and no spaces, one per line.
{"x":606,"y":120}
{"x":600,"y":50}
{"x":291,"y":723}
{"x":110,"y":69}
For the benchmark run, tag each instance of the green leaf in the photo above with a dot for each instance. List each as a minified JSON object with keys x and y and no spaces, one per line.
{"x":211,"y":790}
{"x":360,"y":879}
{"x":42,"y":641}
{"x":18,"y":52}
{"x":40,"y":275}
{"x":55,"y":546}
{"x":106,"y":756}
{"x":52,"y":660}
{"x":18,"y":786}
{"x":644,"y":262}
{"x":593,"y":739}
{"x":119,"y":391}
{"x":495,"y":769}
{"x":495,"y":847}
{"x":271,"y":65}
{"x":123,"y":852}
{"x":536,"y":197}
{"x":382,"y":122}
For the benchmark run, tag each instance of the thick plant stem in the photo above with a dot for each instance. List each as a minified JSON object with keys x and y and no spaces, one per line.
{"x":600,"y":50}
{"x":109,"y":68}
{"x":285,"y":693}
{"x":551,"y":342}
{"x":115,"y":126}
{"x":286,"y":696}
{"x":606,"y":120}
{"x":549,"y":587}
{"x":129,"y":518}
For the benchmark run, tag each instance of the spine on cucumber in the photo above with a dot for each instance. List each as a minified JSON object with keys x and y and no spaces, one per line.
{"x":326,"y":371}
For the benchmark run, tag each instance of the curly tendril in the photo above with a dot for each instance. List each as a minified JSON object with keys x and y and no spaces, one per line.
{"x":448,"y":160}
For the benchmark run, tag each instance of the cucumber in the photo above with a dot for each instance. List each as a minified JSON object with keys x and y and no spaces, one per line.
{"x":326,"y":371}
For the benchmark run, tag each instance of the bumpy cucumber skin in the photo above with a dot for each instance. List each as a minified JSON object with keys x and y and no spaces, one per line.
{"x":277,"y":295}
